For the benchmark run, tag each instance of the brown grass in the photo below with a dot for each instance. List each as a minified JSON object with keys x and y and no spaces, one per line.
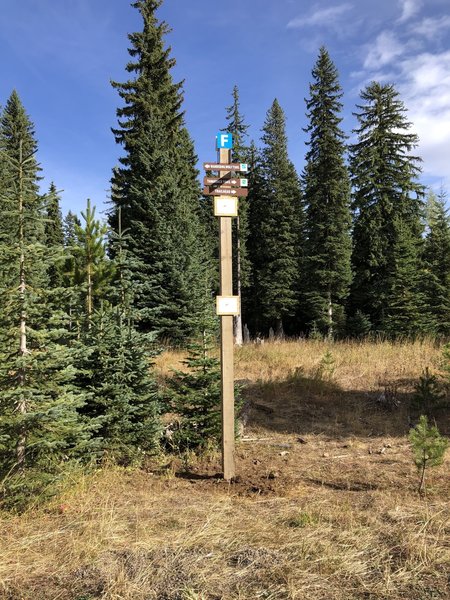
{"x":325,"y":506}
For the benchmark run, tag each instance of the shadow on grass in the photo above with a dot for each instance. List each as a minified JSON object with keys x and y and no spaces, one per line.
{"x":192,"y":476}
{"x":302,"y":405}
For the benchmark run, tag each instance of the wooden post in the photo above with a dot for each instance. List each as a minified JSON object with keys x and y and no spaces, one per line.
{"x":227,"y":340}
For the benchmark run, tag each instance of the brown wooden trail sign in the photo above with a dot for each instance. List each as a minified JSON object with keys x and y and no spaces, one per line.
{"x":233,"y":181}
{"x":225,"y":191}
{"x":239,"y":167}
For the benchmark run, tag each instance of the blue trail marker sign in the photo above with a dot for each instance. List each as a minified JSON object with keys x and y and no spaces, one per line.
{"x":224,"y":140}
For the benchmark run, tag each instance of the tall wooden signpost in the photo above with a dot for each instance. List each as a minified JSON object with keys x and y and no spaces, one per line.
{"x":226,"y":187}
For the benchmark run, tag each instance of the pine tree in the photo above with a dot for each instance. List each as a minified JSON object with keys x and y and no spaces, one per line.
{"x":279,"y":210}
{"x":428,"y":446}
{"x":387,"y":204}
{"x":92,"y":269}
{"x":436,"y":262}
{"x":156,"y":187}
{"x":241,"y":267}
{"x":326,"y":269}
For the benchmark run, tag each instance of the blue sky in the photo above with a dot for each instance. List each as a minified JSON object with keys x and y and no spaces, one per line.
{"x":61,"y":54}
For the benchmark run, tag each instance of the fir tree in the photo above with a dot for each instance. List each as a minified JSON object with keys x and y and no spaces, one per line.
{"x":18,"y":147}
{"x":39,"y":424}
{"x":404,"y":312}
{"x":256,"y":211}
{"x":156,"y":187}
{"x":70,"y":221}
{"x":386,"y":205}
{"x":194,"y":395}
{"x":326,"y":267}
{"x":123,"y":395}
{"x":436,"y":262}
{"x":279,"y":210}
{"x":54,"y":234}
{"x":241,"y":267}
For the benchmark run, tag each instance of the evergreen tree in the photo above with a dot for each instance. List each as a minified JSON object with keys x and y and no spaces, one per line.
{"x":279,"y":209}
{"x":115,"y":362}
{"x":194,"y":395}
{"x":18,"y":147}
{"x":70,"y":221}
{"x":387,"y":203}
{"x":428,"y":446}
{"x":404,"y":313}
{"x":241,"y":267}
{"x":92,"y":269}
{"x":122,"y":394}
{"x":428,"y":395}
{"x":54,"y":234}
{"x":72,"y":302}
{"x":326,"y":269}
{"x":436,"y":262}
{"x":39,"y":424}
{"x":156,"y":185}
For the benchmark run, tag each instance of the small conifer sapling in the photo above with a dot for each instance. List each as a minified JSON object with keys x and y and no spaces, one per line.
{"x":428,"y":446}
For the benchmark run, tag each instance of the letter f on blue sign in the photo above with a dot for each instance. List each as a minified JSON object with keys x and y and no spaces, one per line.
{"x":224,"y":140}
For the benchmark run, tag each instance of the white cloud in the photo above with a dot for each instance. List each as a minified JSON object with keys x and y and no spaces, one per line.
{"x":431,"y":27}
{"x":425,"y":89}
{"x":423,"y":81}
{"x":409,"y":9}
{"x":321,"y":17}
{"x":386,"y":48}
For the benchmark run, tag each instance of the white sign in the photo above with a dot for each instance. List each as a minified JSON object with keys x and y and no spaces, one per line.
{"x":227,"y":305}
{"x":225,"y":206}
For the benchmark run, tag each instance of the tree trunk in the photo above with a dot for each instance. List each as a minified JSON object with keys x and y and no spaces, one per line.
{"x":279,"y":331}
{"x":330,"y":318}
{"x":21,"y":406}
{"x":422,"y":475}
{"x":89,"y":292}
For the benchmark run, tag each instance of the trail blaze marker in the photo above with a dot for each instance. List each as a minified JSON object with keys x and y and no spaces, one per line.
{"x":224,"y":140}
{"x":226,"y":188}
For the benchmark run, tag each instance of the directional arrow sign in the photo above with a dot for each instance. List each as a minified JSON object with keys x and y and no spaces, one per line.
{"x":226,"y":167}
{"x":227,"y":181}
{"x":225,"y":191}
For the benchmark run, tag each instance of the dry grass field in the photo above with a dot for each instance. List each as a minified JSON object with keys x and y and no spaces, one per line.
{"x":325,"y":505}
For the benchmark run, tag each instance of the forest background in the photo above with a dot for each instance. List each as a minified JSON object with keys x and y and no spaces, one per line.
{"x":354,"y":246}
